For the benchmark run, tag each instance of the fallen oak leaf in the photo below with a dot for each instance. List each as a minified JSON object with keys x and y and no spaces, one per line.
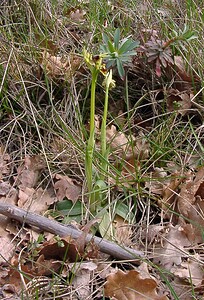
{"x":66,"y":188}
{"x":195,"y":227}
{"x":130,"y":286}
{"x":191,"y":205}
{"x":189,"y":189}
{"x":36,"y":201}
{"x":170,"y":250}
{"x":190,"y":270}
{"x":29,"y":173}
{"x":60,"y":248}
{"x":123,"y":231}
{"x":169,"y":194}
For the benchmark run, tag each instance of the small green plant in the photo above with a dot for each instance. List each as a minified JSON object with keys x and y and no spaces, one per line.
{"x":118,"y":52}
{"x":112,"y":54}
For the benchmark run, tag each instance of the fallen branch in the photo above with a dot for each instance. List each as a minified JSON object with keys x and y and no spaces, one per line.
{"x":43,"y":223}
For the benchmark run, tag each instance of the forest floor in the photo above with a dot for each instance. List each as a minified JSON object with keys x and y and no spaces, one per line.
{"x":101,"y":149}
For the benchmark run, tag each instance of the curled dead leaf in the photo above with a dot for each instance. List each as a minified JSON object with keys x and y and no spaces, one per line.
{"x":83,"y":273}
{"x":62,"y":249}
{"x":130,"y":286}
{"x":59,"y":67}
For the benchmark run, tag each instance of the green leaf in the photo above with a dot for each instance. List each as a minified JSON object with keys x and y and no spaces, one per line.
{"x":99,"y":190}
{"x":127,"y":46}
{"x":105,"y":38}
{"x":104,"y":49}
{"x":66,"y":207}
{"x":190,"y":36}
{"x":111,"y":63}
{"x":120,"y":68}
{"x":117,"y":38}
{"x":111,"y":47}
{"x":106,"y":226}
{"x":124,"y":212}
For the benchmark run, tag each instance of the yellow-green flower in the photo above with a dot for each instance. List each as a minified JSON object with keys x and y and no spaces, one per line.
{"x":109,"y":81}
{"x":92,"y":61}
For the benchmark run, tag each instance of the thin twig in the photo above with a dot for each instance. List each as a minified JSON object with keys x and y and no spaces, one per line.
{"x":111,"y":248}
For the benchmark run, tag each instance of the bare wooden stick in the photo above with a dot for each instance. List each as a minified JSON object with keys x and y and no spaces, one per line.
{"x":113,"y":249}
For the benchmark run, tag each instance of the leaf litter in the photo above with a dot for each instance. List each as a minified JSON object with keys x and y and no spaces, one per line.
{"x":175,"y":244}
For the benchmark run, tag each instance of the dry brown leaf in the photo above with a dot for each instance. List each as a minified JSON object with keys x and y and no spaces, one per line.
{"x":190,"y":270}
{"x":29,"y":173}
{"x":194,"y":230}
{"x":62,"y":249}
{"x":179,"y":101}
{"x":36,"y":201}
{"x":123,"y":231}
{"x":4,"y":188}
{"x":104,"y":269}
{"x":130,"y":168}
{"x":8,"y":291}
{"x":7,"y":248}
{"x":182,"y":74}
{"x":8,"y":194}
{"x":14,"y":276}
{"x":143,"y":270}
{"x":66,"y":188}
{"x":4,"y":163}
{"x":59,"y":67}
{"x":188,"y":191}
{"x":182,"y":289}
{"x":191,"y":205}
{"x":118,"y":141}
{"x":83,"y":273}
{"x":45,"y":267}
{"x":170,"y":249}
{"x":4,"y":221}
{"x":130,"y":286}
{"x":130,"y":151}
{"x":78,"y":15}
{"x":127,"y":147}
{"x":169,"y":194}
{"x":10,"y":197}
{"x":81,"y":240}
{"x":158,"y":181}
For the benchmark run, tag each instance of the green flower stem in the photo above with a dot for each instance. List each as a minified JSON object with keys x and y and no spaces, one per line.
{"x":104,"y":151}
{"x":91,"y":141}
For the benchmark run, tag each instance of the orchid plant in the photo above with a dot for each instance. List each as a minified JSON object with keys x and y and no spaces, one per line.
{"x":112,"y":54}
